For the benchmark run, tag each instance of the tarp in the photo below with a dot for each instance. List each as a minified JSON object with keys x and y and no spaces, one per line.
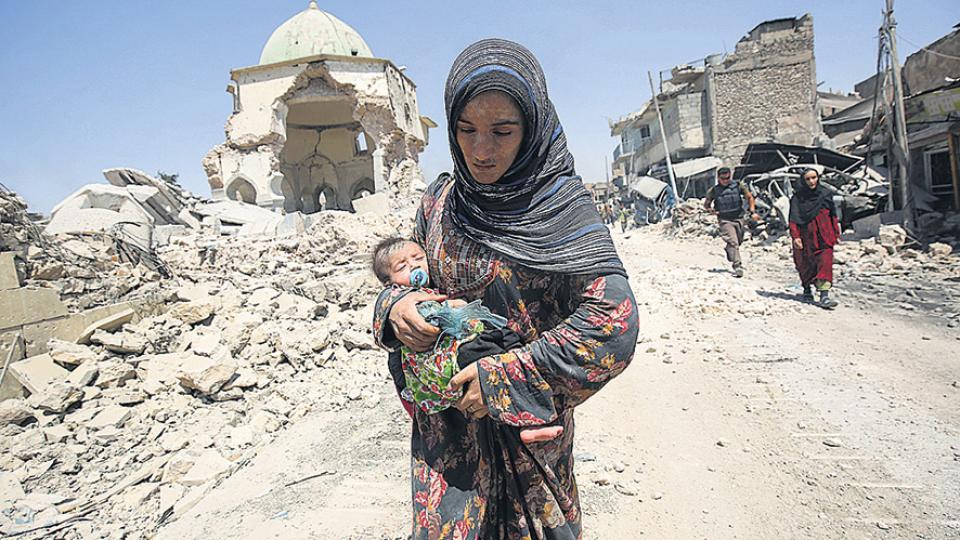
{"x":693,"y":167}
{"x":649,"y":187}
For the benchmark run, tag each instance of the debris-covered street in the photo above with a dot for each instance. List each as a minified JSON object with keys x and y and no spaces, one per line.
{"x":414,"y":295}
{"x":753,"y":416}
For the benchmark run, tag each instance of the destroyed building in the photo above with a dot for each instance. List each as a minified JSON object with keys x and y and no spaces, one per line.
{"x":765,"y":91}
{"x":318,"y":122}
{"x":932,"y":113}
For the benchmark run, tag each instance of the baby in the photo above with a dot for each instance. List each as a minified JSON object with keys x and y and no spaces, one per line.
{"x":421,"y":379}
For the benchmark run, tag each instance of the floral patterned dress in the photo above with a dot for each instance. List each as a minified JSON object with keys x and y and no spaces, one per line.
{"x":475,"y":478}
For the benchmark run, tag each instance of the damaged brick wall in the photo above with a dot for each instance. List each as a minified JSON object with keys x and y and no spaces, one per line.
{"x":766,"y":90}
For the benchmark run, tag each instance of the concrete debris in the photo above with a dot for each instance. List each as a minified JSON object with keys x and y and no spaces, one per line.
{"x":120,"y":366}
{"x":56,"y":397}
{"x":14,"y":411}
{"x":38,"y":372}
{"x":206,"y":375}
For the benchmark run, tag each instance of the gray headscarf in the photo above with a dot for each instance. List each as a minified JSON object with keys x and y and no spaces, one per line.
{"x":538,"y":214}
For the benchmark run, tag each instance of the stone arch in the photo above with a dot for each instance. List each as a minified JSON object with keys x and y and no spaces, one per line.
{"x":362,"y":188}
{"x":242,"y":189}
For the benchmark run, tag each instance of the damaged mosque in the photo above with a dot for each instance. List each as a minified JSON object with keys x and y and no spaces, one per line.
{"x":318,"y":123}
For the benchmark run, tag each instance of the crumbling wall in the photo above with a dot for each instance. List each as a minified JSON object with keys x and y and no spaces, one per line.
{"x":766,"y":90}
{"x":383,"y":106}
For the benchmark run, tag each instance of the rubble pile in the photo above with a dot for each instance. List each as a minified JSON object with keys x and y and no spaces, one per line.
{"x":691,"y":219}
{"x":127,"y":425}
{"x":84,"y":269}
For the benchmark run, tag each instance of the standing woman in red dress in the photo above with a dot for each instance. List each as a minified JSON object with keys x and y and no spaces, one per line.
{"x":815,"y":230}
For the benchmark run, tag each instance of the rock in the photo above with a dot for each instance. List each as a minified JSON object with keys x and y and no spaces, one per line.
{"x":70,"y":354}
{"x":114,"y":373}
{"x":657,"y":496}
{"x":120,"y":342}
{"x":28,"y":444}
{"x":170,"y":494}
{"x":723,"y":443}
{"x":891,"y":237}
{"x":278,"y":405}
{"x":36,"y":372}
{"x":602,"y":479}
{"x":209,"y":466}
{"x":625,"y":489}
{"x":939,"y":249}
{"x":10,"y":488}
{"x":619,"y":467}
{"x":206,"y":375}
{"x":14,"y":411}
{"x":262,"y":297}
{"x":135,"y":496}
{"x":56,"y":434}
{"x":112,"y":416}
{"x":584,"y":457}
{"x":56,"y":397}
{"x":206,"y":343}
{"x":192,"y":312}
{"x":833,"y":443}
{"x":264,"y":422}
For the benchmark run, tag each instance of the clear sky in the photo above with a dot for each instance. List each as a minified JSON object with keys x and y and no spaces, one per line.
{"x":91,"y":85}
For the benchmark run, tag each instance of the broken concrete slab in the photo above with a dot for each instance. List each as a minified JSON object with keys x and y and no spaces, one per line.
{"x":208,"y":467}
{"x":170,"y":494}
{"x":26,"y":305}
{"x":120,"y":342}
{"x":114,"y":373}
{"x":109,"y":323}
{"x":14,"y":411}
{"x":206,"y":375}
{"x":135,"y":496}
{"x":96,"y":208}
{"x":70,"y":328}
{"x":83,"y":375}
{"x":939,"y":249}
{"x":37,"y":372}
{"x":56,"y":397}
{"x":239,"y":213}
{"x":377,"y":204}
{"x":187,"y":218}
{"x":66,"y":353}
{"x":10,"y":488}
{"x":112,"y":416}
{"x":9,"y":279}
{"x":192,"y":312}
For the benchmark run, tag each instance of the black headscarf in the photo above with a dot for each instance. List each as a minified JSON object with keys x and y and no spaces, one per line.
{"x":538,"y":214}
{"x":806,"y":203}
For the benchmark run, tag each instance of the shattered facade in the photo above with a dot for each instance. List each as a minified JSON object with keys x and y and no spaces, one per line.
{"x":317,"y":123}
{"x":765,"y":91}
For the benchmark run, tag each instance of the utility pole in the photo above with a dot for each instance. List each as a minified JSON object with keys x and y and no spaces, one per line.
{"x":902,"y":153}
{"x":663,"y":138}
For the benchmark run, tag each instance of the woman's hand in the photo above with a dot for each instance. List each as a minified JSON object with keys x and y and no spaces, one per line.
{"x":471,"y":404}
{"x":409,"y":326}
{"x":798,"y":243}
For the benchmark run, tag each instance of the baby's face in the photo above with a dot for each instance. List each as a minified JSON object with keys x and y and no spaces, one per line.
{"x":405,"y":260}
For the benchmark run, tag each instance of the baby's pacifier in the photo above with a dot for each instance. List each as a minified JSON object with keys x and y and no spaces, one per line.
{"x":418,"y":277}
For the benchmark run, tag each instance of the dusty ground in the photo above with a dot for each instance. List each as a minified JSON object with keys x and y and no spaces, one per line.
{"x":746,"y":414}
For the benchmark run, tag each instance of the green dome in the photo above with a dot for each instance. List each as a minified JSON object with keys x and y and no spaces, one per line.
{"x":313,"y":32}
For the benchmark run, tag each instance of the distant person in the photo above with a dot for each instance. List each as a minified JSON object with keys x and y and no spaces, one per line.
{"x":725,"y":200}
{"x":815,"y":230}
{"x":623,"y":220}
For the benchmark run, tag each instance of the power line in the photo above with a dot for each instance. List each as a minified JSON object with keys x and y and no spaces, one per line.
{"x":931,"y":51}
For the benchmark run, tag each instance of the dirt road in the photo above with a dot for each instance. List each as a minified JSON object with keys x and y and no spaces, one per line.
{"x":746,"y":414}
